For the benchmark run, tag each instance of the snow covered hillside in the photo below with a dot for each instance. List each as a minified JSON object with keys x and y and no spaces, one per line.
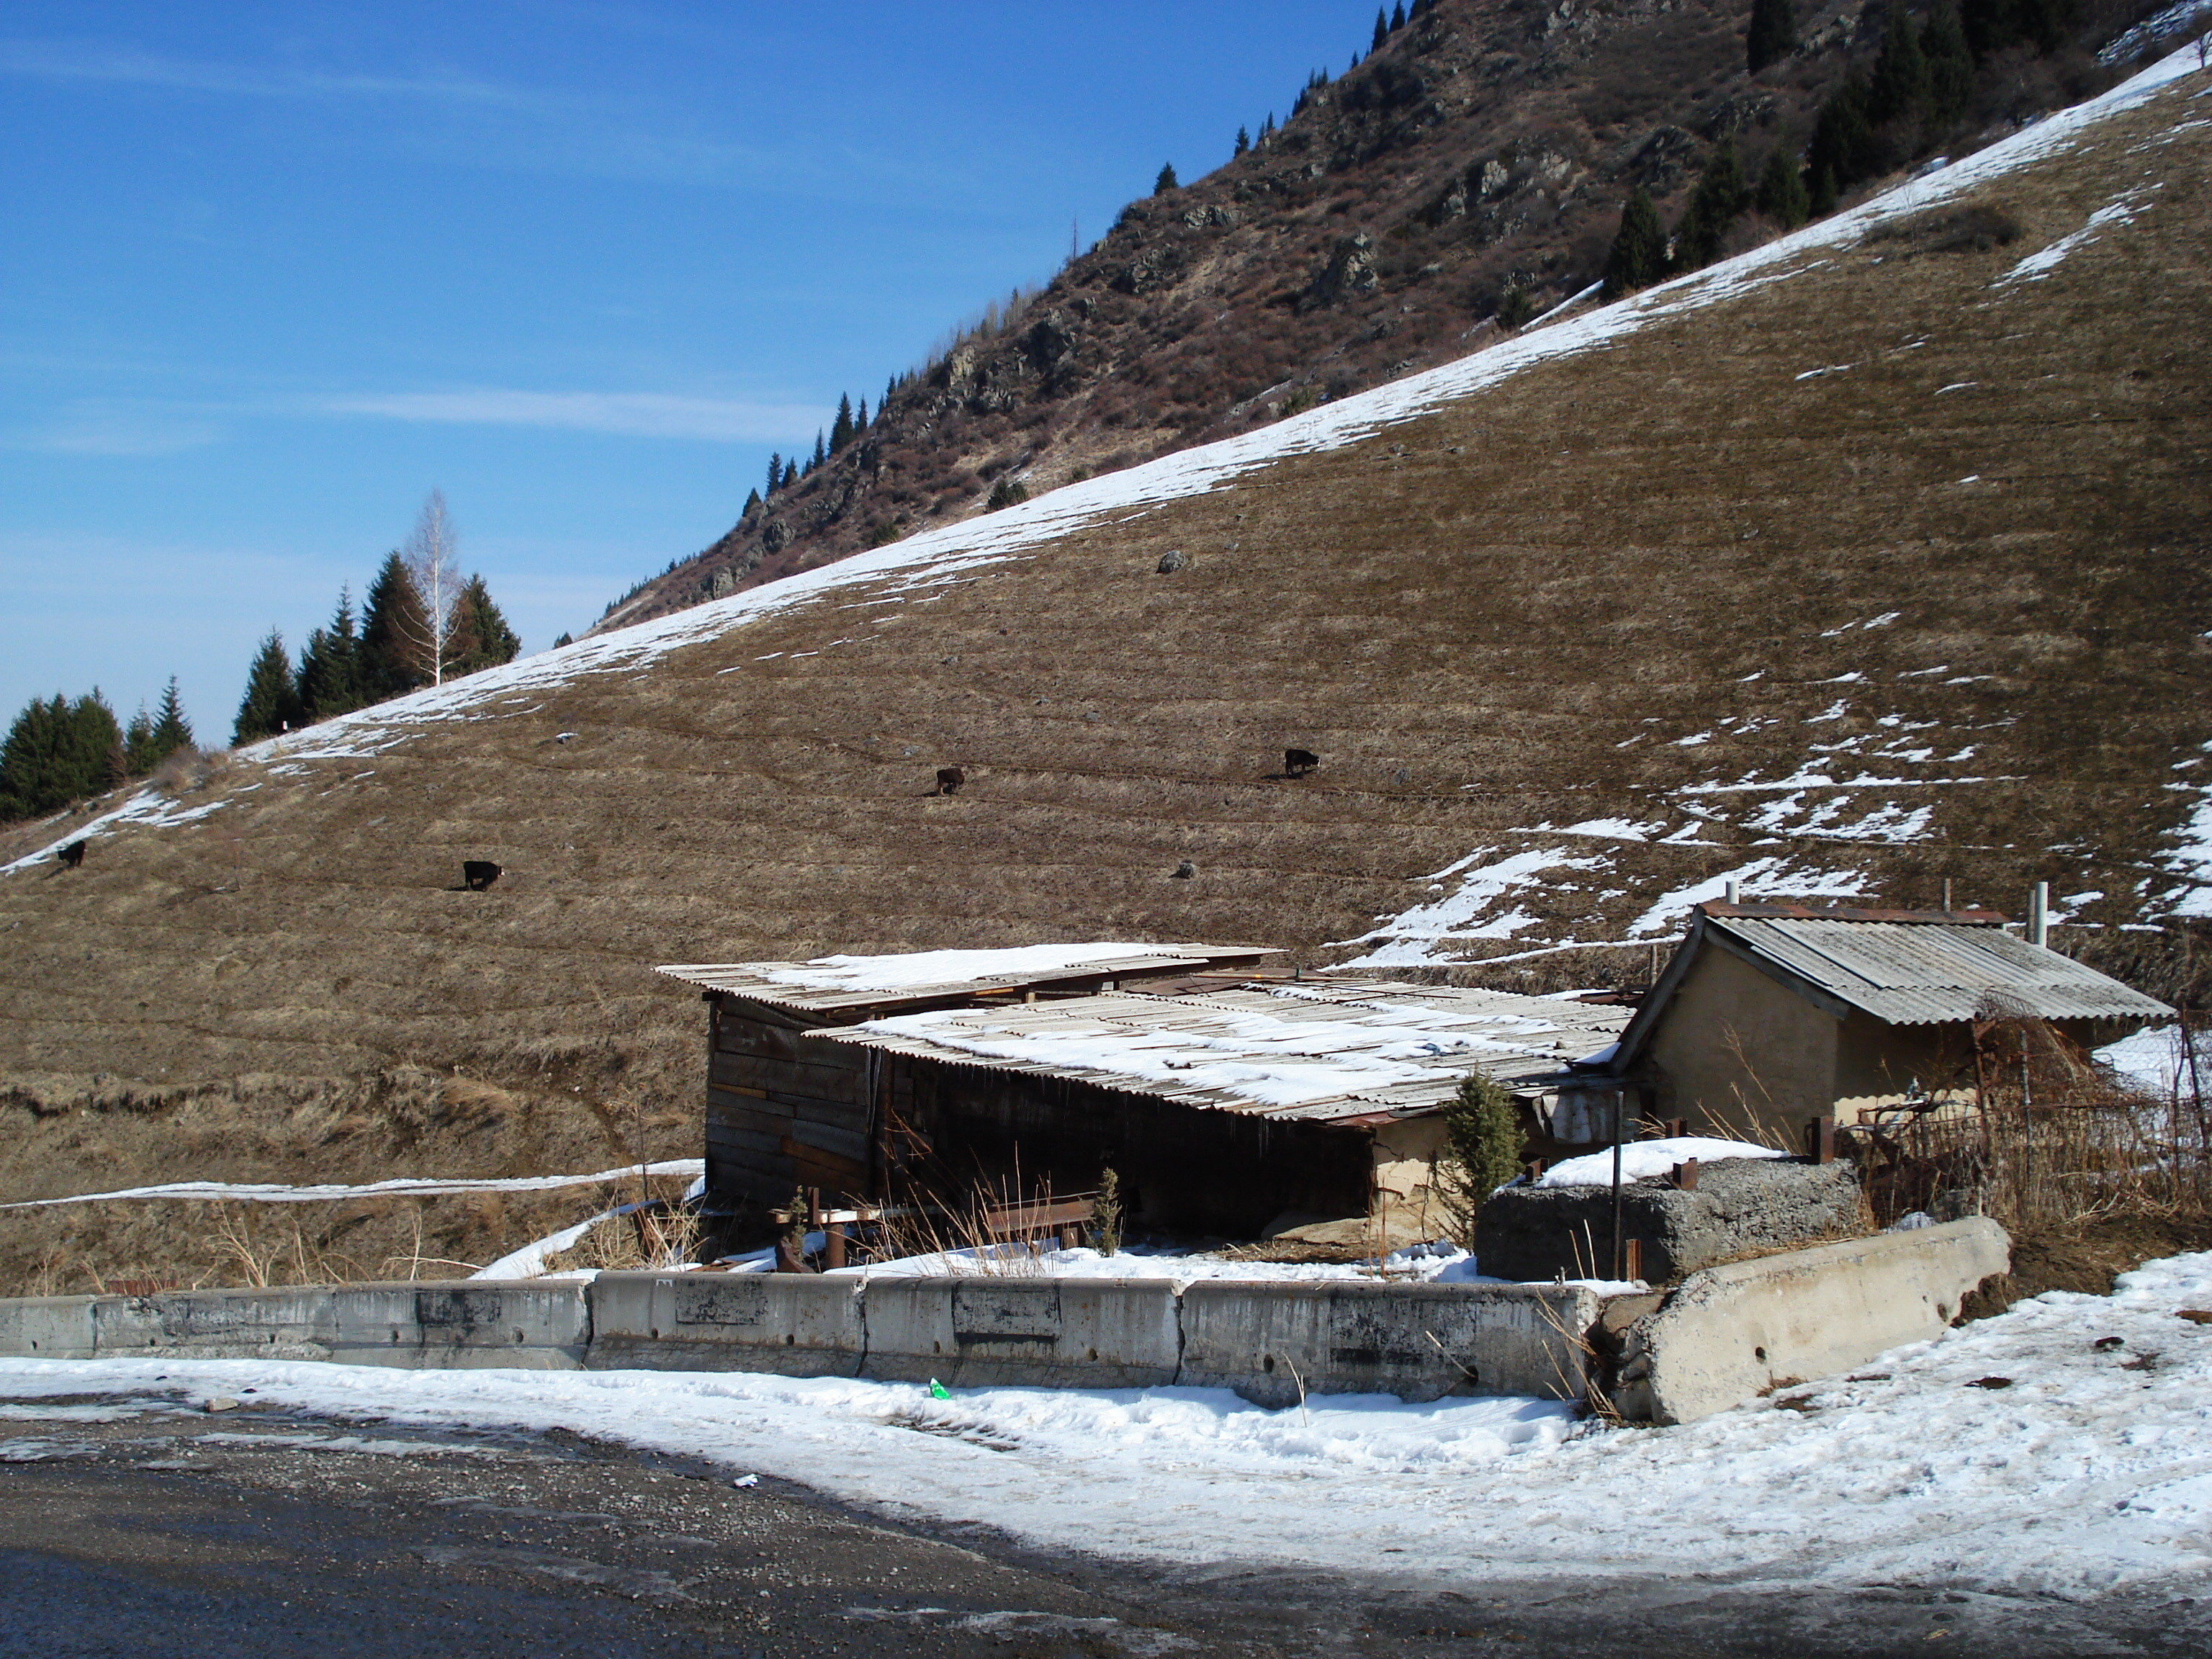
{"x":2063,"y":1448}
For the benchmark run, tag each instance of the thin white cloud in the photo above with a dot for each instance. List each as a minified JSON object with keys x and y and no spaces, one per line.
{"x":58,"y":60}
{"x":628,"y":414}
{"x":118,"y":428}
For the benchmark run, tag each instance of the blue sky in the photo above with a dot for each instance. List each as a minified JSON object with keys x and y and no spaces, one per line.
{"x":273,"y":272}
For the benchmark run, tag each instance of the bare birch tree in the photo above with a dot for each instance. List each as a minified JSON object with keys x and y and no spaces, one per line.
{"x":434,"y":564}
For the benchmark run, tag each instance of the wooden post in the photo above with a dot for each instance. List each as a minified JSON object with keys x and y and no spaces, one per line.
{"x":1635,"y":1259}
{"x":1620,"y":1129}
{"x":1820,"y":1140}
{"x":813,"y":1209}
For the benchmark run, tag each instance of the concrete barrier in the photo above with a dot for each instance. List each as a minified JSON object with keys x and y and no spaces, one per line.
{"x":48,"y":1328}
{"x":524,"y":1324}
{"x":982,"y":1331}
{"x":1274,"y":1343}
{"x":293,"y":1323}
{"x":792,"y":1324}
{"x":1730,"y":1333}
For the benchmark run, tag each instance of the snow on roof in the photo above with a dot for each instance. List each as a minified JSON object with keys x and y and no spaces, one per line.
{"x":828,"y":983}
{"x":1314,"y":1049}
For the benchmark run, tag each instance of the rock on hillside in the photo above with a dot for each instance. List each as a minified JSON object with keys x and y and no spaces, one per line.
{"x":1486,"y":148}
{"x":1875,"y":558}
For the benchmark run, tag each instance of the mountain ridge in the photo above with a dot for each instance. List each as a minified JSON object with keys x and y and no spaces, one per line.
{"x":1482,"y":150}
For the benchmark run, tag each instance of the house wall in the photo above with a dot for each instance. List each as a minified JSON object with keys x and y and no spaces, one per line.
{"x":1785,"y":1073}
{"x":1403,"y":1154}
{"x":784,"y":1111}
{"x":1877,"y":1063}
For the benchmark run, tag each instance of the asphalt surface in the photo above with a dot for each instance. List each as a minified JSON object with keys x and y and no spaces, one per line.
{"x":167,"y":1530}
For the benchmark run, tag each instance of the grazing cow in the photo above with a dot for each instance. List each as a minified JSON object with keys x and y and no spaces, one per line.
{"x":1296,"y":763}
{"x":477,"y":874}
{"x":949,"y":780}
{"x":72,"y":856}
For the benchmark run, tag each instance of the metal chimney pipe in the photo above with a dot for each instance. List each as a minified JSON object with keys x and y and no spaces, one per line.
{"x":2038,"y":914}
{"x":1735,"y":892}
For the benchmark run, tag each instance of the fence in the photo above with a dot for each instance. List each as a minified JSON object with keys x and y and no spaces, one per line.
{"x":2054,"y":1141}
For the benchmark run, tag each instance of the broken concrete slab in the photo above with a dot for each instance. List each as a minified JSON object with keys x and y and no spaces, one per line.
{"x":1739,"y":1207}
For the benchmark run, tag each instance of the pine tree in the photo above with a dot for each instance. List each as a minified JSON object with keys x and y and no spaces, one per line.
{"x":272,"y":702}
{"x":1714,"y":205}
{"x":1638,"y":258}
{"x":790,"y":473}
{"x":1950,"y":65}
{"x":1482,"y":1151}
{"x":840,"y":430}
{"x":752,"y":504}
{"x":1901,"y":89}
{"x":1842,"y":149}
{"x":861,"y":418}
{"x":820,"y":453}
{"x":1398,"y":16}
{"x":1243,"y":143}
{"x":1782,"y":194}
{"x":172,"y":731}
{"x":482,"y":638}
{"x":1166,"y":181}
{"x":392,"y":625}
{"x":57,"y":752}
{"x":1381,"y":34}
{"x":138,"y":742}
{"x":330,"y":667}
{"x":1773,"y":34}
{"x":775,"y":472}
{"x":1821,"y":192}
{"x":565,"y":639}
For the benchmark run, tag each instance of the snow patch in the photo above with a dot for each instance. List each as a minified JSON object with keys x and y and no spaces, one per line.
{"x":1642,"y":1159}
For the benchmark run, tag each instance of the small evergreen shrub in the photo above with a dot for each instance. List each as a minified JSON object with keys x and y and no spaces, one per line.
{"x":1482,"y":1151}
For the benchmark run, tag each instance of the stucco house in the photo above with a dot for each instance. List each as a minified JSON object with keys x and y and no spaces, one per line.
{"x":1769,"y":1014}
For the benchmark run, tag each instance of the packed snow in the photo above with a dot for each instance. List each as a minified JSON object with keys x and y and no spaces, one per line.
{"x":264,"y":1192}
{"x":2063,"y":1448}
{"x":2156,"y":1059}
{"x":907,"y":969}
{"x":1641,"y":1159}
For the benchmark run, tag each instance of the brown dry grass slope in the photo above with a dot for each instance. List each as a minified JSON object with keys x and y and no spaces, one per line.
{"x":1506,"y":614}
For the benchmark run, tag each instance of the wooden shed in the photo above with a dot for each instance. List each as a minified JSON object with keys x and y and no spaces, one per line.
{"x":782,"y":1113}
{"x":1224,"y":1103}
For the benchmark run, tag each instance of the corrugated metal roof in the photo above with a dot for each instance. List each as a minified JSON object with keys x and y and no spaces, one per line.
{"x":1926,"y":973}
{"x":845,"y":984}
{"x":1330,"y":1050}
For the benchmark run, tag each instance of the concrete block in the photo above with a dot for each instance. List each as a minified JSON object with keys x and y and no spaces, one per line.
{"x":46,"y":1327}
{"x":1730,"y":1334}
{"x":1273,"y":1342}
{"x":1738,"y":1206}
{"x":983,"y":1331}
{"x":519,"y":1324}
{"x":281,"y":1322}
{"x":790,"y":1324}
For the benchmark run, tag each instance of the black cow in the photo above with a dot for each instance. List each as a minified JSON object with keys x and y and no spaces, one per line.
{"x":72,"y":856}
{"x":949,"y":780}
{"x":477,"y":874}
{"x":1296,"y":763}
